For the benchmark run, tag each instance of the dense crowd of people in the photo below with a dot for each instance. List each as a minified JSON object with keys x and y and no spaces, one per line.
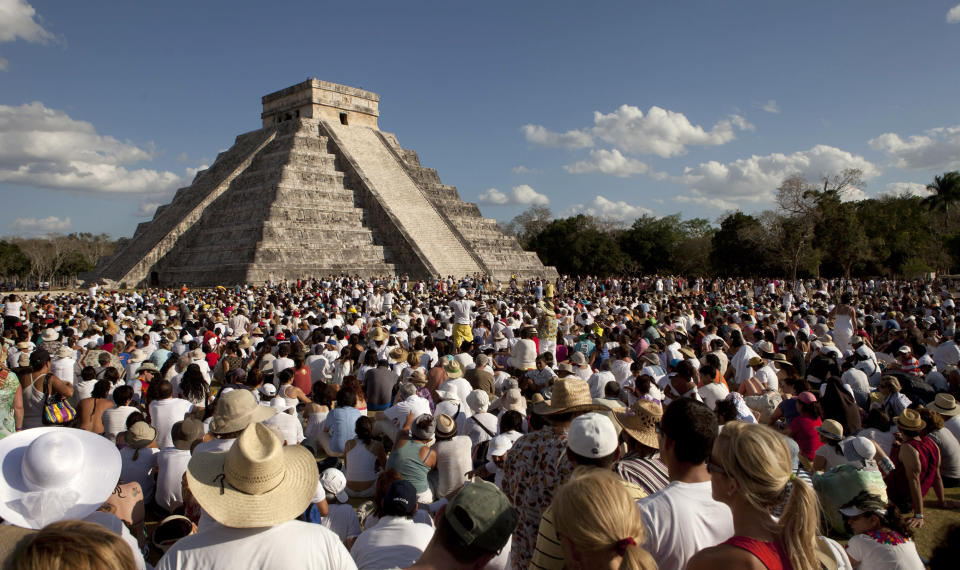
{"x":638,"y":422}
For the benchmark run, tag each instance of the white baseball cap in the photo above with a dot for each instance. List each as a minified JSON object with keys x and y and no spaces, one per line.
{"x":268,"y":390}
{"x":498,"y":446}
{"x":335,"y":483}
{"x":592,"y":435}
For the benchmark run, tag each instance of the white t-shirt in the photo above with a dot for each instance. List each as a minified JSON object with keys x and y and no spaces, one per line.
{"x":115,"y":420}
{"x":461,"y":310}
{"x":282,"y":363}
{"x":397,"y":413}
{"x":63,"y":368}
{"x":712,"y":393}
{"x":875,"y":555}
{"x":289,"y":426}
{"x":172,"y":464}
{"x":682,"y":519}
{"x":293,"y":544}
{"x":141,"y":470}
{"x":163,"y":414}
{"x":342,"y":520}
{"x":395,"y":542}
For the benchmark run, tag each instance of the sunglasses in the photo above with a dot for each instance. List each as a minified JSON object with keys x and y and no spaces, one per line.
{"x":713,"y":467}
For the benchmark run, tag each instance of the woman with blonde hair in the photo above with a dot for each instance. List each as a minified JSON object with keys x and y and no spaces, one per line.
{"x":752,"y":473}
{"x":598,"y":523}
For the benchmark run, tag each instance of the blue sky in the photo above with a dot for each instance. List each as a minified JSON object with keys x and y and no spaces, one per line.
{"x":609,"y":108}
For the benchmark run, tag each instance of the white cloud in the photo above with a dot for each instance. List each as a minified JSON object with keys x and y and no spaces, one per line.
{"x":147,"y":209}
{"x":17,"y":22}
{"x":521,"y":169}
{"x":660,"y":131}
{"x":953,"y":16}
{"x":908,"y":188}
{"x":520,"y":195}
{"x":695,"y":197}
{"x":771,"y":107}
{"x":602,"y":207}
{"x":36,"y":226}
{"x":935,"y":149}
{"x":539,"y":135}
{"x":608,"y":162}
{"x":45,"y":148}
{"x":754,"y":179}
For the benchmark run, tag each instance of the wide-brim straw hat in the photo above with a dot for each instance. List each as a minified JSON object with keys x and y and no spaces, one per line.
{"x":446,"y":427}
{"x":910,"y":420}
{"x":418,"y":378}
{"x":50,"y":335}
{"x":945,"y":405}
{"x":236,"y":410}
{"x":640,"y":422}
{"x":511,"y":399}
{"x":258,"y":483}
{"x":378,"y":334}
{"x":453,"y":369}
{"x":81,"y":467}
{"x":569,"y":395}
{"x":398,"y":355}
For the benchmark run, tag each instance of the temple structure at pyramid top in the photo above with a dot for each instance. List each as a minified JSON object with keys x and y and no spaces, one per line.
{"x":318,"y":190}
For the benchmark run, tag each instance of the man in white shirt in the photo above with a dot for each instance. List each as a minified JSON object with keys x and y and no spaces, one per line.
{"x":682,"y":518}
{"x":115,"y":419}
{"x":172,"y":463}
{"x":166,"y":411}
{"x":255,"y":526}
{"x":462,"y":318}
{"x":395,"y":541}
{"x":288,"y":425}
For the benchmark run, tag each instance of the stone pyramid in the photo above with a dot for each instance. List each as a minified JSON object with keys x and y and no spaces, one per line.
{"x":318,"y":190}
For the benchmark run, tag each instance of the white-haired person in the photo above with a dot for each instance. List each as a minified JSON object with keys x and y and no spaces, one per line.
{"x":752,"y":473}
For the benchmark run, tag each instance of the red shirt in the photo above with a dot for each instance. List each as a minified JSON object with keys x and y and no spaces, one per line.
{"x":301,"y":379}
{"x":804,"y":430}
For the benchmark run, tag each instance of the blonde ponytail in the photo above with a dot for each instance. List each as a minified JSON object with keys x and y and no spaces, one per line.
{"x":596,"y":513}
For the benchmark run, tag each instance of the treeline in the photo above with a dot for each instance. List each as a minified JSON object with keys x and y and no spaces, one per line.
{"x":816,"y":229}
{"x":56,"y":259}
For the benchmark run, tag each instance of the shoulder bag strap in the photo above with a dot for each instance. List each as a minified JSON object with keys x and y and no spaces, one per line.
{"x":483,"y":427}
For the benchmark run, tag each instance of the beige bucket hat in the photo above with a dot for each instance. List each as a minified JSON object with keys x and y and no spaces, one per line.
{"x":569,"y":395}
{"x":259,"y":482}
{"x":236,"y":410}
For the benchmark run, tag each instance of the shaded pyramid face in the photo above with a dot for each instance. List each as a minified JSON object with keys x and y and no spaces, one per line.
{"x":307,"y":198}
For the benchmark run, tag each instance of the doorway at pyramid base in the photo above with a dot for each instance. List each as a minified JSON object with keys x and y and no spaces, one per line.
{"x":308,"y":197}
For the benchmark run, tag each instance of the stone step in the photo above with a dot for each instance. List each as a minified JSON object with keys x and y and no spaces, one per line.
{"x":397,"y":193}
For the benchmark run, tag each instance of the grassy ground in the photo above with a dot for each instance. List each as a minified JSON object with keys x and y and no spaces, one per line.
{"x":935,"y":522}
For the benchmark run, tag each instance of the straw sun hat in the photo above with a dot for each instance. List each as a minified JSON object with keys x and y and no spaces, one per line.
{"x":236,"y":410}
{"x":640,"y":422}
{"x":258,"y":483}
{"x":569,"y":395}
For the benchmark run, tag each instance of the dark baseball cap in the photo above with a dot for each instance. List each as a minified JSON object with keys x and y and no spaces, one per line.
{"x":482,"y":516}
{"x":401,"y":499}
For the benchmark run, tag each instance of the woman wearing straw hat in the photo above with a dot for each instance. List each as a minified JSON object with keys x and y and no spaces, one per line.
{"x":641,"y":464}
{"x":918,"y":468}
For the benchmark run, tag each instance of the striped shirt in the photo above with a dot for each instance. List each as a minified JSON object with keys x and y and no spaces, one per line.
{"x":648,"y":473}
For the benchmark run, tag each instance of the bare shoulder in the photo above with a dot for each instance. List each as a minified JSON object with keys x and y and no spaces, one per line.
{"x":724,"y":556}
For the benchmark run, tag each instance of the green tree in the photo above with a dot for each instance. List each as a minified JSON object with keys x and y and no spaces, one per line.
{"x":13,"y":264}
{"x":526,"y":225}
{"x":576,"y":246}
{"x":736,"y":247}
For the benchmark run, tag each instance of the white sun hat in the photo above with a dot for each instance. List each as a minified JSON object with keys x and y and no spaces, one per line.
{"x":55,"y":473}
